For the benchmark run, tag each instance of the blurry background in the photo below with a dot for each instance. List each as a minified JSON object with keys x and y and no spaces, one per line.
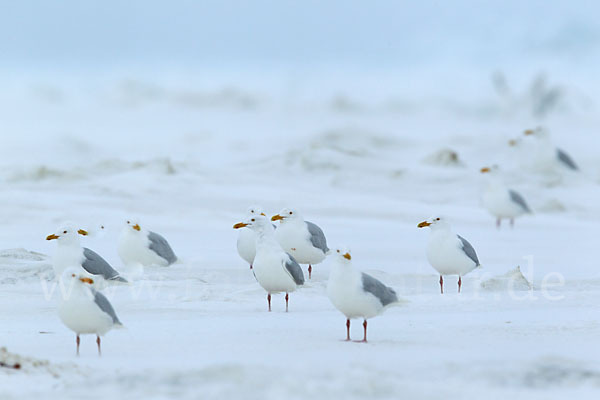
{"x":168,"y":79}
{"x":368,"y":117}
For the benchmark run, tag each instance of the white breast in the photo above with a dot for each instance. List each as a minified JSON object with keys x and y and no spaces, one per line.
{"x":66,"y":256}
{"x":246,"y":245}
{"x":80,"y":313}
{"x":445,"y":254}
{"x":344,"y":289}
{"x":271,"y":273}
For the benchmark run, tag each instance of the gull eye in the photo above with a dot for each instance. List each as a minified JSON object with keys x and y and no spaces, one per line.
{"x":128,"y":222}
{"x":64,"y":231}
{"x":73,"y":275}
{"x":437,"y":219}
{"x":291,"y":213}
{"x":252,"y":220}
{"x":338,"y":251}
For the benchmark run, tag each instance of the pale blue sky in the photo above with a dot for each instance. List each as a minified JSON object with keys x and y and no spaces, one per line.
{"x":73,"y":34}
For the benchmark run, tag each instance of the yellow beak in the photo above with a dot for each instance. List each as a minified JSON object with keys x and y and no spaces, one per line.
{"x":82,"y":232}
{"x":137,"y":227}
{"x":484,"y":170}
{"x":87,"y":280}
{"x":347,"y":256}
{"x":52,"y":237}
{"x":276,"y":217}
{"x":239,"y":225}
{"x":423,"y":224}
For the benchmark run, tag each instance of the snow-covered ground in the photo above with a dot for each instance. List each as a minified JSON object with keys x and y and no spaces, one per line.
{"x":363,"y":150}
{"x":367,"y":177}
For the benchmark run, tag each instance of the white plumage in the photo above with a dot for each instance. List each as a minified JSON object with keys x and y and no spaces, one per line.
{"x":501,"y":201}
{"x":246,"y":242}
{"x":274,"y":269}
{"x":537,"y":152}
{"x":302,"y":239}
{"x":447,"y":252}
{"x":70,"y":253}
{"x":138,"y":245}
{"x":355,"y":294}
{"x":83,"y":309}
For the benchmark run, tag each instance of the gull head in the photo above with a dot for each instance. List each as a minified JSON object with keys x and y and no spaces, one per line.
{"x":538,"y":132}
{"x":254,"y":222}
{"x":75,"y":276}
{"x":256,"y":210}
{"x":67,"y":233}
{"x":286,"y":214}
{"x":342,"y":254}
{"x":434,"y":223}
{"x":492,"y":170}
{"x":133,"y":225}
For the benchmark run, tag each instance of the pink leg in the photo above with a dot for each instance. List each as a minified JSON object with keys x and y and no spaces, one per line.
{"x":441,"y":284}
{"x":287,"y":298}
{"x":365,"y":326}
{"x":269,"y":301}
{"x":498,"y":222}
{"x":309,"y":271}
{"x":78,"y":341}
{"x":98,"y":341}
{"x":459,"y":283}
{"x":348,"y":330}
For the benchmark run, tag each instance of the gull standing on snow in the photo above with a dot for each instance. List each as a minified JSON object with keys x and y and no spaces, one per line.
{"x":85,"y":310}
{"x":500,"y":201}
{"x":546,"y":146}
{"x":274,"y":269}
{"x":139,"y":245}
{"x":447,"y":252}
{"x":246,"y":243}
{"x":302,"y":239}
{"x":541,"y":154}
{"x":356,"y":294}
{"x":70,"y":253}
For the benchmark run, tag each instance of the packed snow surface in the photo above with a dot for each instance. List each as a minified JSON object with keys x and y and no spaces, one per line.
{"x":366,"y":153}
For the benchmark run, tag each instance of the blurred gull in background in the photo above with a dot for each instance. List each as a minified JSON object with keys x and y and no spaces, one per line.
{"x":537,"y":152}
{"x":500,"y":201}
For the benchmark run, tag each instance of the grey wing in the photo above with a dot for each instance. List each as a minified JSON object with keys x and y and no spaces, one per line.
{"x":386,"y":295}
{"x":317,"y":237}
{"x":96,"y":265}
{"x":566,"y":159}
{"x":102,"y":302}
{"x":517,"y":198}
{"x":160,"y":246}
{"x":295,"y":270}
{"x":469,"y":250}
